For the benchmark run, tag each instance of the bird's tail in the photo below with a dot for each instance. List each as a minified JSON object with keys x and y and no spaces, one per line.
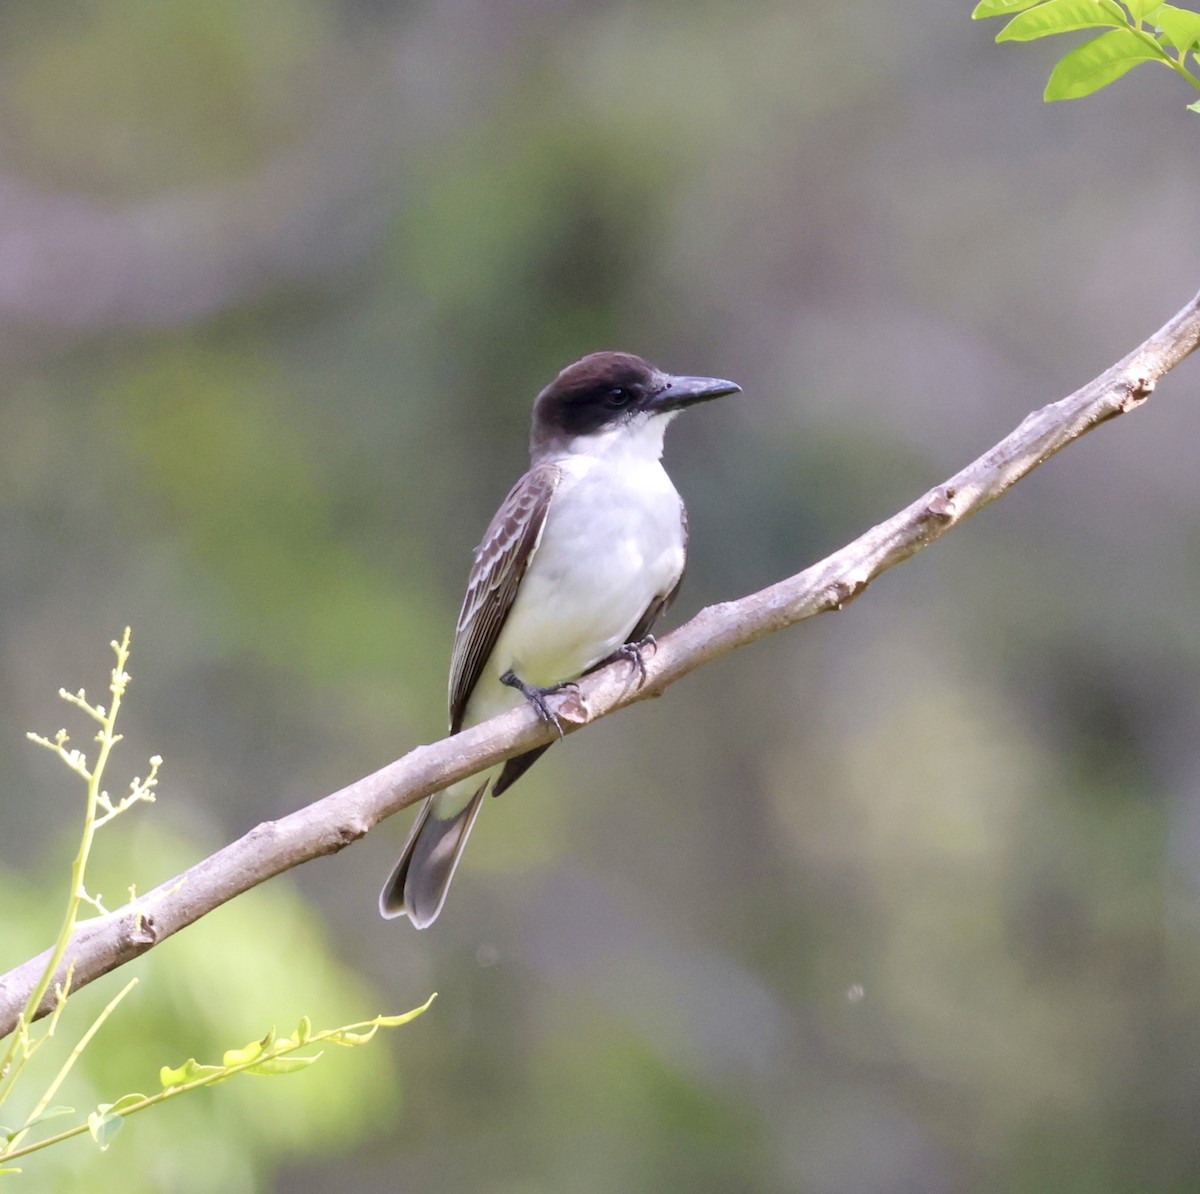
{"x":418,"y":884}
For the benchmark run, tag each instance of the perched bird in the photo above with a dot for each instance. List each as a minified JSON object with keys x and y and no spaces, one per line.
{"x":584,"y":554}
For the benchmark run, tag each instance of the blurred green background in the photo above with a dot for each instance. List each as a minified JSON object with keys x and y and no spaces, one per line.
{"x":902,"y":900}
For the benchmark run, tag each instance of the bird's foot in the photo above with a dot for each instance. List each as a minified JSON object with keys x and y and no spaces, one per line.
{"x":632,"y":653}
{"x":537,"y":696}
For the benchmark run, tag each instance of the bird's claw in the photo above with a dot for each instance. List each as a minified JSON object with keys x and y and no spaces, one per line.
{"x":537,"y":697}
{"x":632,"y":652}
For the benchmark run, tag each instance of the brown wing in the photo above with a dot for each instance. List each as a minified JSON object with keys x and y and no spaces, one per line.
{"x":500,"y":562}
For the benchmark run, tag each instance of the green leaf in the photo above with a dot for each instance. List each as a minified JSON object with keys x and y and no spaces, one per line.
{"x":232,"y":1057}
{"x":1179,"y":26}
{"x":188,"y":1072}
{"x":104,"y":1125}
{"x":1194,"y":107}
{"x":1099,"y":62}
{"x":404,"y":1017}
{"x":1063,"y":16}
{"x":282,"y":1065}
{"x":49,"y":1113}
{"x":343,"y":1036}
{"x":1000,"y":8}
{"x":1139,"y":8}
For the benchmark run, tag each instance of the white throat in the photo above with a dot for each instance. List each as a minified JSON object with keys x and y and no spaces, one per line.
{"x":640,"y":439}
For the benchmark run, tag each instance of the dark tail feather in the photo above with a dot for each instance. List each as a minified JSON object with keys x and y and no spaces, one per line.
{"x":515,"y":768}
{"x":417,"y":886}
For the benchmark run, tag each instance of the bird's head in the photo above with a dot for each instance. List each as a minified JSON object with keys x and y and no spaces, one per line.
{"x":614,"y":397}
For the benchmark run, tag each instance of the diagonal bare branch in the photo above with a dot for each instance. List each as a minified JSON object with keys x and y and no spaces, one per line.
{"x":330,"y":824}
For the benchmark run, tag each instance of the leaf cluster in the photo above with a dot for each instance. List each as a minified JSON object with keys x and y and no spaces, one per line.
{"x":272,"y":1055}
{"x":1136,"y":31}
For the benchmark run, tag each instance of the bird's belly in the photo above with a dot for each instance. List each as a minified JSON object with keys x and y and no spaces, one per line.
{"x":603,"y":560}
{"x":578,"y":608}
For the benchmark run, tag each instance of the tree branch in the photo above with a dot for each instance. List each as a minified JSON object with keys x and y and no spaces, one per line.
{"x":329,"y":825}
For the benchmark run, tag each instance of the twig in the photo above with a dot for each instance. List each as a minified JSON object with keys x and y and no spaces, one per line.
{"x":331,"y":824}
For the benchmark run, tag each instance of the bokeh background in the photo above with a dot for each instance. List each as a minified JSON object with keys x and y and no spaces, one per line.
{"x":902,"y":900}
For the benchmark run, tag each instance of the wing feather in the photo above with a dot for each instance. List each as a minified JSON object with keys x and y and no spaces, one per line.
{"x":500,"y":563}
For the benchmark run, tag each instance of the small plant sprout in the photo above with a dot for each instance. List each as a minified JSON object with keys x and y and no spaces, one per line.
{"x":272,"y":1054}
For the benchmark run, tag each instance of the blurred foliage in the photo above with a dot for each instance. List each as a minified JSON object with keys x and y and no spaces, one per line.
{"x":259,"y":961}
{"x":124,"y":98}
{"x":269,"y":1054}
{"x":906,"y":899}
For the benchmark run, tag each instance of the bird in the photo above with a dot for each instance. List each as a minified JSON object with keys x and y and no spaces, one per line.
{"x":583,"y":556}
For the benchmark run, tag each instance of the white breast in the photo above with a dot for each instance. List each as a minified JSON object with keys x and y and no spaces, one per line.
{"x":613,"y":543}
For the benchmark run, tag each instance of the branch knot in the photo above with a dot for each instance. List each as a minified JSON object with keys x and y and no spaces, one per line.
{"x":941,"y":503}
{"x":1137,"y":391}
{"x":841,"y":592}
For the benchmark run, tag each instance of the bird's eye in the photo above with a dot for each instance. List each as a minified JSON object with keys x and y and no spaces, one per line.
{"x":617,"y":398}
